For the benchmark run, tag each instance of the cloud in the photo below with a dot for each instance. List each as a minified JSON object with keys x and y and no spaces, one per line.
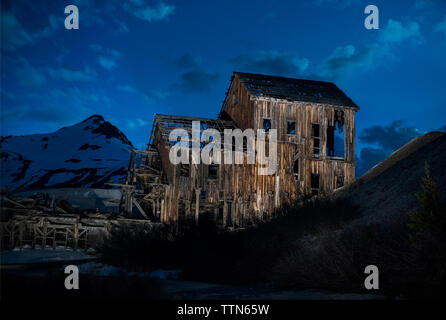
{"x":8,"y":96}
{"x":422,"y":4}
{"x":395,"y":32}
{"x":187,"y":61}
{"x":55,"y":107}
{"x":197,"y":81}
{"x":30,"y":76}
{"x":342,"y":4}
{"x":382,"y":141}
{"x":345,"y":59}
{"x":122,"y":27}
{"x":148,"y":97}
{"x":70,"y":75}
{"x":107,"y":57}
{"x":441,"y":26}
{"x":107,"y":63}
{"x":55,"y":23}
{"x":136,"y":123}
{"x":369,"y":157}
{"x":33,"y":113}
{"x":160,"y":11}
{"x":13,"y":34}
{"x":90,"y":14}
{"x":390,"y":137}
{"x":272,"y":62}
{"x":127,"y":88}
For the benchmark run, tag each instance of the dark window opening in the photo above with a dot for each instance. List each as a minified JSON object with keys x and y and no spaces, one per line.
{"x":291,"y":127}
{"x":184,"y":170}
{"x":203,"y":195}
{"x":339,"y":181}
{"x":316,"y":134}
{"x":315,"y":184}
{"x":330,"y":141}
{"x":335,"y":140}
{"x":316,"y":130}
{"x":213,"y":172}
{"x":296,"y":168}
{"x":266,"y":125}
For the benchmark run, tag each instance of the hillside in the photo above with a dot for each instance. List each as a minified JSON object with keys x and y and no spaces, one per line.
{"x":87,"y":154}
{"x":389,"y":187}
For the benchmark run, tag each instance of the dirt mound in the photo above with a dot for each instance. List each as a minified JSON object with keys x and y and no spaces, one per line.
{"x":389,"y":187}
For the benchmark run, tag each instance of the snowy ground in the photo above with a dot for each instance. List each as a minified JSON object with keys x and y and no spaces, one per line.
{"x":38,"y":255}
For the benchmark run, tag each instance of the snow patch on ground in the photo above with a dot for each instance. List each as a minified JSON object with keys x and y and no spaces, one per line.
{"x":100,"y":269}
{"x":25,"y":256}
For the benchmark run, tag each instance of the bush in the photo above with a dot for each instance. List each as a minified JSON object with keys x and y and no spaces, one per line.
{"x":335,"y":259}
{"x":409,"y":250}
{"x":208,"y":254}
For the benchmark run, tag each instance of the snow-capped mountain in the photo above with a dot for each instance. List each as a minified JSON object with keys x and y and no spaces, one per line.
{"x":87,"y":154}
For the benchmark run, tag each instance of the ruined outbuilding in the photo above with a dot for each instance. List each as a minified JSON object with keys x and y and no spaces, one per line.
{"x":315,"y":123}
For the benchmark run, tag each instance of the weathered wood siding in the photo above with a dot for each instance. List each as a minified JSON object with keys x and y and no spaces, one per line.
{"x":239,"y":194}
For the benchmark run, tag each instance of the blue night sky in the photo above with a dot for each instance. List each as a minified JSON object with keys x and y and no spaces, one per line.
{"x":131,"y":59}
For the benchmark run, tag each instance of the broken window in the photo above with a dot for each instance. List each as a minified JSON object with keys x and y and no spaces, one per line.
{"x":266,"y":125}
{"x":296,"y":168}
{"x":234,"y":97}
{"x":213,"y":171}
{"x":335,"y":136}
{"x":316,"y":134}
{"x":339,"y":181}
{"x":184,"y":170}
{"x":291,"y":127}
{"x":315,"y":184}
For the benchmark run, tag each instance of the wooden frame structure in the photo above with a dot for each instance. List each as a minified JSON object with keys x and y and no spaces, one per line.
{"x":237,"y":195}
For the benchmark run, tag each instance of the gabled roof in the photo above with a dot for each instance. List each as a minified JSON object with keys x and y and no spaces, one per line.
{"x":259,"y":85}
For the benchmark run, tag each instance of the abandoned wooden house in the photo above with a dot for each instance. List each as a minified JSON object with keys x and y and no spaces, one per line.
{"x":315,"y":123}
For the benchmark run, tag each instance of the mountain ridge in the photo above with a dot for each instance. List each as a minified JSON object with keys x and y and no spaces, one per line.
{"x":86,"y":154}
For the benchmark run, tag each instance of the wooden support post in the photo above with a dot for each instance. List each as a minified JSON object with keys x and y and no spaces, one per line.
{"x":45,"y":231}
{"x":76,"y":233}
{"x":34,"y":226}
{"x":197,"y":205}
{"x":11,"y":234}
{"x":53,"y":201}
{"x":167,"y":205}
{"x":225,"y":213}
{"x":162,"y":211}
{"x":21,"y":227}
{"x":130,"y":204}
{"x":233,"y":213}
{"x":177,"y":204}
